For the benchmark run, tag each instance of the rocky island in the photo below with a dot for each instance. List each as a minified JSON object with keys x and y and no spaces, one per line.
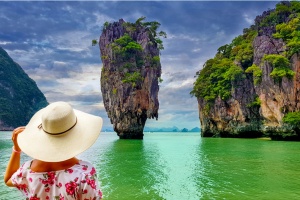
{"x":20,"y":97}
{"x":130,"y":53}
{"x":251,"y":88}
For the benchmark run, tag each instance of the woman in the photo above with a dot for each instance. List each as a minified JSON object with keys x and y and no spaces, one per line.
{"x":53,"y":137}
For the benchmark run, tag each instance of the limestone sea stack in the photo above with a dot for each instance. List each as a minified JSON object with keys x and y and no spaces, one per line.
{"x":251,"y":87}
{"x":130,"y":75}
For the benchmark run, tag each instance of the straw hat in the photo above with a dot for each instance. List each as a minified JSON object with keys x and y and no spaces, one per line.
{"x":58,"y":132}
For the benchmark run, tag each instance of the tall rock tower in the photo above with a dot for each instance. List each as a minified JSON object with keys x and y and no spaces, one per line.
{"x":130,"y":74}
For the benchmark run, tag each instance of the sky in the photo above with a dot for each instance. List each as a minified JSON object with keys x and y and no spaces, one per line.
{"x":51,"y":41}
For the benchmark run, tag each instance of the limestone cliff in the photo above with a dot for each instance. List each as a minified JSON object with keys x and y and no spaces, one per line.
{"x":130,"y":75}
{"x":20,"y":97}
{"x":261,"y":83}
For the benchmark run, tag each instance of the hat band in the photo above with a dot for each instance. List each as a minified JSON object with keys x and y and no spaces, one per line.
{"x":60,"y":132}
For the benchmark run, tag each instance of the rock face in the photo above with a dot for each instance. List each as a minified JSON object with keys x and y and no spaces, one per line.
{"x":234,"y":117}
{"x":129,"y":78}
{"x":20,"y":97}
{"x":231,"y":118}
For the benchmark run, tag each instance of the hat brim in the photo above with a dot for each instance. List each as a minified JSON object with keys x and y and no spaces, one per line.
{"x":37,"y":144}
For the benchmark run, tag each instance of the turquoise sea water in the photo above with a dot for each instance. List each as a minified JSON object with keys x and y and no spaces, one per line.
{"x":184,"y":166}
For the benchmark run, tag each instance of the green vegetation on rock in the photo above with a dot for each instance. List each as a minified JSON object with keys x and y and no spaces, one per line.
{"x":257,"y":73}
{"x":160,"y":80}
{"x":267,"y":53}
{"x":125,"y":48}
{"x":218,"y":75}
{"x":216,"y":78}
{"x":256,"y":102}
{"x":290,"y":33}
{"x":20,"y":97}
{"x":152,"y":28}
{"x":281,"y":66}
{"x":114,"y":91}
{"x":94,"y":42}
{"x":292,"y":118}
{"x":213,"y":80}
{"x":132,"y":78}
{"x":282,"y":11}
{"x":128,"y":53}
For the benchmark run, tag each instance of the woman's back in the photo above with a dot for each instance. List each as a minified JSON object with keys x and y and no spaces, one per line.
{"x":77,"y":182}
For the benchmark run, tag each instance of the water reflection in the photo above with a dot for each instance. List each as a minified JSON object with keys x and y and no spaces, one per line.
{"x":176,"y":161}
{"x":279,"y":172}
{"x":127,"y":171}
{"x":229,"y":164}
{"x":247,"y":169}
{"x":155,"y":168}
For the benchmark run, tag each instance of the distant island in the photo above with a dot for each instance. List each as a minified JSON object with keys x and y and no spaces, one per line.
{"x":164,"y":129}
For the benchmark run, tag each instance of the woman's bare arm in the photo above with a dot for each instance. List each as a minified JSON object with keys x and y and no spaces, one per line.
{"x":14,"y":161}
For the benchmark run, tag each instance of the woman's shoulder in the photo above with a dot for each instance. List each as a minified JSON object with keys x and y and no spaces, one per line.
{"x":85,"y":165}
{"x":83,"y":162}
{"x":22,"y":172}
{"x":26,"y":165}
{"x":86,"y":168}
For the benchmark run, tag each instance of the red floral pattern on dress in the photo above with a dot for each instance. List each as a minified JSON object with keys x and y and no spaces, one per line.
{"x":93,"y":171}
{"x":23,"y":188}
{"x":77,"y":182}
{"x":91,"y":178}
{"x":71,"y":188}
{"x":69,"y":170}
{"x":84,"y":167}
{"x":34,"y":198}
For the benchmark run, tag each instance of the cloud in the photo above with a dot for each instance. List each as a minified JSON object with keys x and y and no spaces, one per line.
{"x":248,"y":19}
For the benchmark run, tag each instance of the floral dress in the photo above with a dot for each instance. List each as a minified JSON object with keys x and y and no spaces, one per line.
{"x":79,"y":182}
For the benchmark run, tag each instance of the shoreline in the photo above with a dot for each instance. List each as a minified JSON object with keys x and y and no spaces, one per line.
{"x":265,"y":138}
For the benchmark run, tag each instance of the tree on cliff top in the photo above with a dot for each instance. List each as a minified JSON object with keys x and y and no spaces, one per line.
{"x":218,"y":75}
{"x":127,"y":52}
{"x":152,"y":27}
{"x":215,"y":79}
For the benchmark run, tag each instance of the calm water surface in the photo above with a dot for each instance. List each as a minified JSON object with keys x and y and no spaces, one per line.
{"x":184,"y":166}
